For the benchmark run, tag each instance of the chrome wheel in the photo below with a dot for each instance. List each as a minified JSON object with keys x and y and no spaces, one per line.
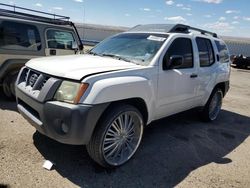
{"x":215,"y":105}
{"x":122,"y":138}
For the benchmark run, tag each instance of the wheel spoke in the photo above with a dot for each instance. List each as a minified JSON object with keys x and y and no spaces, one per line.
{"x":120,"y":122}
{"x":131,"y":129}
{"x":130,"y":121}
{"x":113,"y":150}
{"x":110,"y":146}
{"x":131,"y":134}
{"x":118,"y":151}
{"x":129,"y":146}
{"x":126,"y":119}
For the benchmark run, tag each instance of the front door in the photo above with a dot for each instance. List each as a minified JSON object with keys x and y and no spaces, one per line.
{"x":177,"y":84}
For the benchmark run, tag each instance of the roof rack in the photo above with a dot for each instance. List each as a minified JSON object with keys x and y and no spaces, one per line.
{"x":185,"y":29}
{"x":170,"y":28}
{"x":29,"y":15}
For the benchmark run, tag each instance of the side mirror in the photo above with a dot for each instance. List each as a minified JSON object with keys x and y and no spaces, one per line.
{"x":175,"y":61}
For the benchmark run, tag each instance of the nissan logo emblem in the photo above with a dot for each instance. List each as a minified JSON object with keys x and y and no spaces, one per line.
{"x":33,"y":79}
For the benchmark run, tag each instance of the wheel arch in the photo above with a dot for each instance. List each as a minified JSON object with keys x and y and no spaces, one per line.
{"x":137,"y":102}
{"x":224,"y":86}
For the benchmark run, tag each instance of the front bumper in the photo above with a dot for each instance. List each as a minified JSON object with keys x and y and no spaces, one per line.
{"x":63,"y":122}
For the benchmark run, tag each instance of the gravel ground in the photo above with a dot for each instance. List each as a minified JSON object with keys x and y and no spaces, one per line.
{"x":176,"y":151}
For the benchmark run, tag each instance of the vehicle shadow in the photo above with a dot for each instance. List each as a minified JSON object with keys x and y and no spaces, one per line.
{"x":7,"y":104}
{"x":170,"y":150}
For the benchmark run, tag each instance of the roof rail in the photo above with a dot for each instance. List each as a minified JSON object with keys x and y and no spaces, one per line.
{"x":29,"y":15}
{"x":186,"y":29}
{"x":170,"y":28}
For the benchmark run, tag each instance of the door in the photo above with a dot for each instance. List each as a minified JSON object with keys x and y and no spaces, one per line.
{"x":59,"y":42}
{"x":208,"y":69}
{"x":177,"y":85}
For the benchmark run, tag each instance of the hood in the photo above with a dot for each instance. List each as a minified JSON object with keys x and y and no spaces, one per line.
{"x":77,"y":66}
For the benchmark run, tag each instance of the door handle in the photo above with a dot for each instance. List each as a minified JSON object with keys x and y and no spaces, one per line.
{"x":52,"y":52}
{"x":193,"y":76}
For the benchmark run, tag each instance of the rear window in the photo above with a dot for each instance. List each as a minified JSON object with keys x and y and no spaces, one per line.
{"x":19,"y":36}
{"x":206,"y":52}
{"x":223,"y":51}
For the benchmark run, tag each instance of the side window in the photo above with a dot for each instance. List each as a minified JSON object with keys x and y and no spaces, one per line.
{"x":19,"y":36}
{"x":181,"y":47}
{"x":206,"y":52}
{"x":60,"y":39}
{"x":223,"y":51}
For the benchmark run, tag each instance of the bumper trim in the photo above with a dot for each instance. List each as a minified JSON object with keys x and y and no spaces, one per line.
{"x":28,"y":115}
{"x":49,"y":117}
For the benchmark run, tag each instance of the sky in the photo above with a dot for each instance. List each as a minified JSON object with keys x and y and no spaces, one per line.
{"x":225,"y":17}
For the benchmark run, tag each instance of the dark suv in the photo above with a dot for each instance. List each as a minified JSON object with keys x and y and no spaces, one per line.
{"x":24,"y":36}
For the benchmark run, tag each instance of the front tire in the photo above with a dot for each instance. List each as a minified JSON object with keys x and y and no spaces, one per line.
{"x":9,"y":85}
{"x":213,"y":106}
{"x":117,"y":136}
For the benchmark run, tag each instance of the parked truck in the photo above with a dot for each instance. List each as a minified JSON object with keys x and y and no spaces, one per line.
{"x":24,"y":36}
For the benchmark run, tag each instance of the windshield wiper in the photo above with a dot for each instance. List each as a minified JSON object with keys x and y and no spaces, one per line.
{"x":92,"y":53}
{"x":116,"y":56}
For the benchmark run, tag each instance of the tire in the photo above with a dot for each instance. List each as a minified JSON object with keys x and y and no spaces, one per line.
{"x":117,"y":136}
{"x":213,"y":106}
{"x":9,"y":85}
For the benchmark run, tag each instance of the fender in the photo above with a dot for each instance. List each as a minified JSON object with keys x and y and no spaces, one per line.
{"x":11,"y":64}
{"x":120,"y":88}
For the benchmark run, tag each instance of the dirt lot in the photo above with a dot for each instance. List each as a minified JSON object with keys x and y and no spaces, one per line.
{"x":176,"y":151}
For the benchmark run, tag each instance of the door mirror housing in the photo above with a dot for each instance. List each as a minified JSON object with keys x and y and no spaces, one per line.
{"x":175,"y":61}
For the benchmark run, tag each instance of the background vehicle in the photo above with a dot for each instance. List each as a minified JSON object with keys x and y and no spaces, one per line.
{"x":241,"y":61}
{"x":24,"y":36}
{"x":105,"y":98}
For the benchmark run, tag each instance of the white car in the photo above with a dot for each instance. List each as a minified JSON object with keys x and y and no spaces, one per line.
{"x":105,"y":98}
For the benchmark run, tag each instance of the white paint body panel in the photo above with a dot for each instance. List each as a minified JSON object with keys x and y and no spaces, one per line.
{"x":165,"y":92}
{"x":77,"y":66}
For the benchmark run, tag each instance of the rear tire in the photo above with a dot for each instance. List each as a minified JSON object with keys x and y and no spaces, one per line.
{"x":9,"y":85}
{"x":117,"y":136}
{"x":212,"y":108}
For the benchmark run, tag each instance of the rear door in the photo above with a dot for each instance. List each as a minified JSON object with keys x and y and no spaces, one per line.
{"x":177,"y":86}
{"x":208,"y":69}
{"x":59,"y":42}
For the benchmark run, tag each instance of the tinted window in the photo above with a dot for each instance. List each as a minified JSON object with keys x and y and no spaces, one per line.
{"x":223,"y":51}
{"x":181,"y":47}
{"x":18,"y":36}
{"x":206,"y":53}
{"x":60,"y":39}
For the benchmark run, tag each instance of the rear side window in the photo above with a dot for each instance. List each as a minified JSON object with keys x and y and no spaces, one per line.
{"x":182,"y":47}
{"x":60,"y":39}
{"x":206,"y":52}
{"x":223,"y":52}
{"x":19,"y":36}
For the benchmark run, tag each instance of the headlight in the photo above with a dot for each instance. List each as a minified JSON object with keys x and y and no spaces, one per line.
{"x":70,"y":92}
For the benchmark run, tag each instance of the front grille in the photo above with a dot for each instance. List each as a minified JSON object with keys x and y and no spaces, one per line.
{"x":34,"y":79}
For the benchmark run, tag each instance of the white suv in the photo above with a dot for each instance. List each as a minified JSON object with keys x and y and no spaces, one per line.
{"x":105,"y":98}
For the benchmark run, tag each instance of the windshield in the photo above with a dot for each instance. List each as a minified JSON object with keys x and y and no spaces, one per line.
{"x":139,"y":48}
